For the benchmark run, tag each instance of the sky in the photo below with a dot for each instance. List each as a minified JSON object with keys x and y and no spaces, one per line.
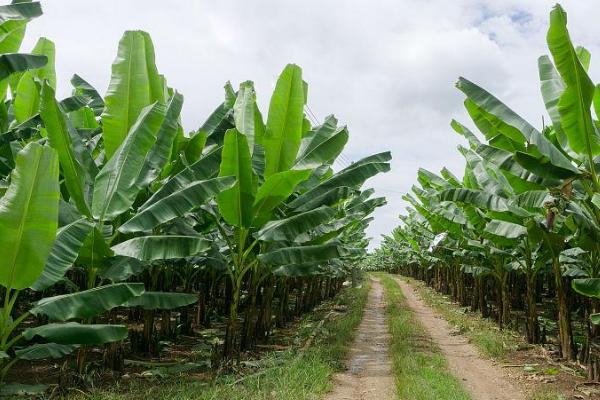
{"x":385,"y":68}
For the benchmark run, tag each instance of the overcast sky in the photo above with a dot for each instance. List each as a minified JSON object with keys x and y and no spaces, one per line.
{"x":386,"y":68}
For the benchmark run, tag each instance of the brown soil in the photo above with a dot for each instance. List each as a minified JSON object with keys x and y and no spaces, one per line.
{"x":482,"y":378}
{"x":369,"y":368}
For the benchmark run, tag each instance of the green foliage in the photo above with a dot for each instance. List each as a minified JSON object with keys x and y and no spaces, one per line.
{"x":108,"y":204}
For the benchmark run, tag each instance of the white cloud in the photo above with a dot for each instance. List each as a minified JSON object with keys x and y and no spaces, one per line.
{"x":386,"y":68}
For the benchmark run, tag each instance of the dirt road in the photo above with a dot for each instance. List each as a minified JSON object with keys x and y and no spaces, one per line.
{"x":369,"y":368}
{"x":483,"y":379}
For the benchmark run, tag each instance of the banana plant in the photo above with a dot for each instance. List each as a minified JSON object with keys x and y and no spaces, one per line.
{"x":278,"y":166}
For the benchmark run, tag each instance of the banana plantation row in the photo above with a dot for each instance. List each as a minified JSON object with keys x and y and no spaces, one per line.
{"x":110,"y":213}
{"x":521,"y":230}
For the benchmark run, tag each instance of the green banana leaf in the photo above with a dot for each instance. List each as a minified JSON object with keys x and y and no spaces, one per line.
{"x":576,"y":99}
{"x":63,"y":253}
{"x":134,"y":85}
{"x":322,"y":145}
{"x":496,"y":108}
{"x":12,"y":63}
{"x":27,"y":98}
{"x":284,"y":122}
{"x":328,"y":198}
{"x":478,"y":198}
{"x":298,"y":271}
{"x":305,"y":254}
{"x":205,"y":168}
{"x":88,"y":303}
{"x":353,"y":176}
{"x":160,"y":154}
{"x":275,"y":190}
{"x":115,"y":187}
{"x":289,"y":228}
{"x":466,"y":132}
{"x":165,"y":247}
{"x":42,"y":351}
{"x":95,"y":248}
{"x":83,"y":88}
{"x":19,"y":11}
{"x":192,"y":150}
{"x":61,"y":137}
{"x":543,"y":167}
{"x":588,"y":287}
{"x":235,"y":204}
{"x":532,"y":200}
{"x":120,"y":268}
{"x":552,"y":87}
{"x":177,"y":204}
{"x":45,"y":47}
{"x":505,"y":229}
{"x":29,"y":216}
{"x":162,"y":300}
{"x":76,"y":333}
{"x":244,"y":114}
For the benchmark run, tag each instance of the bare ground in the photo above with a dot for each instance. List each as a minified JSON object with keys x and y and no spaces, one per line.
{"x":483,"y":379}
{"x":369,"y":367}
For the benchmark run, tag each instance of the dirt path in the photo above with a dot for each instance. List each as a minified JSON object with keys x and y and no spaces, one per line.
{"x":369,"y":368}
{"x":483,"y":379}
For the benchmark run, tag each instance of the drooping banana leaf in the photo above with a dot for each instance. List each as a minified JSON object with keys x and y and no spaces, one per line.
{"x":177,"y":204}
{"x":505,"y":229}
{"x":83,"y":88}
{"x":328,"y":198}
{"x":289,"y":228}
{"x":322,"y":145}
{"x":543,"y":167}
{"x":12,"y":63}
{"x":495,"y":107}
{"x":305,"y":254}
{"x":205,"y":168}
{"x":76,"y":333}
{"x":42,"y":351}
{"x":88,"y":303}
{"x":353,"y":176}
{"x":19,"y":11}
{"x":120,"y":268}
{"x":588,"y":287}
{"x":63,"y":253}
{"x":274,"y":191}
{"x":477,"y":198}
{"x":162,"y":300}
{"x":162,"y":247}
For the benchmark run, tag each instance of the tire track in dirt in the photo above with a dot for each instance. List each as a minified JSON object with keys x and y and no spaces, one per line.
{"x":369,"y":367}
{"x":482,"y":379}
